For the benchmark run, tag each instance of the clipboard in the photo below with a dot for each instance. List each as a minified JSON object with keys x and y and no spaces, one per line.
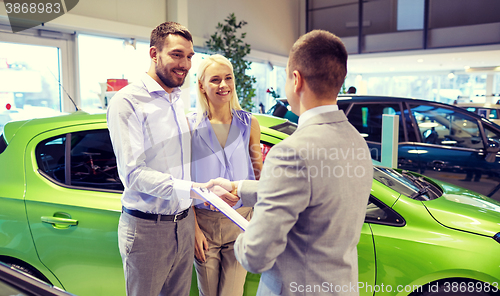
{"x":222,"y":206}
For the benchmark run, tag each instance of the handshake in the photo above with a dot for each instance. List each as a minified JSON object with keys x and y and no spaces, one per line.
{"x":225,"y":189}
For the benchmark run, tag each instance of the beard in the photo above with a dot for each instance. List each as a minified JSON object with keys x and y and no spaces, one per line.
{"x":168,"y":78}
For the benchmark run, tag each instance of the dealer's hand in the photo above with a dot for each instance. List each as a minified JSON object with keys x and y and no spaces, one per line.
{"x":202,"y":185}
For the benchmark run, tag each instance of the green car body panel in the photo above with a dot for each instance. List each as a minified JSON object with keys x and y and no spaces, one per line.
{"x":68,"y":235}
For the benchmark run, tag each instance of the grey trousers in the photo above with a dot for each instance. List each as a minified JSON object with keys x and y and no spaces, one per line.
{"x":220,"y":274}
{"x":157,"y":256}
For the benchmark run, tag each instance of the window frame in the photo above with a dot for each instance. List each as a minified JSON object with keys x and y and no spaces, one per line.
{"x":386,"y":209}
{"x":67,"y":161}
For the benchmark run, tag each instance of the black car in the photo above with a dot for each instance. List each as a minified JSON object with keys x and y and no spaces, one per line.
{"x":442,"y":141}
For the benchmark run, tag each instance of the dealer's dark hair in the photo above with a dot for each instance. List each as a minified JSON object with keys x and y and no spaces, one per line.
{"x":321,"y":58}
{"x":160,"y":33}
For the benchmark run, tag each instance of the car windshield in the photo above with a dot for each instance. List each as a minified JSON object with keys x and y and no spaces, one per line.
{"x":406,"y":183}
{"x":286,"y":127}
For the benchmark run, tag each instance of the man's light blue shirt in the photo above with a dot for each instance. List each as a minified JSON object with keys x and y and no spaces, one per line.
{"x":152,"y":144}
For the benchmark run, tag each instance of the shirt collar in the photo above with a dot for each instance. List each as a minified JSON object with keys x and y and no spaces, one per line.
{"x":316,"y":111}
{"x":153,"y":86}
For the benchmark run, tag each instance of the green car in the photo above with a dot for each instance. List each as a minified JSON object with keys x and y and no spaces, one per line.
{"x":60,"y":205}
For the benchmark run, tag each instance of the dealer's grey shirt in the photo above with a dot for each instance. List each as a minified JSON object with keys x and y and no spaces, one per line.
{"x":152,"y":144}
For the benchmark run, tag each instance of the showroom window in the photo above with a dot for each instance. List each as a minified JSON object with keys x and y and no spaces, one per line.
{"x":30,"y":78}
{"x":103,"y":58}
{"x":92,"y":163}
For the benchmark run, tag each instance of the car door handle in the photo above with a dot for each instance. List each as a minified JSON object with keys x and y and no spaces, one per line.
{"x":60,"y":223}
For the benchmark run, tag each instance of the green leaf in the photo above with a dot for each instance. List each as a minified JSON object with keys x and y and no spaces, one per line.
{"x":226,"y":42}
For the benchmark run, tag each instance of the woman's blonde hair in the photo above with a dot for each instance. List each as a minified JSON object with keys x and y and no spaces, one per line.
{"x":203,"y":109}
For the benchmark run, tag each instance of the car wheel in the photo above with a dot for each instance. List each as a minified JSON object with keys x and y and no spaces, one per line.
{"x":459,"y":287}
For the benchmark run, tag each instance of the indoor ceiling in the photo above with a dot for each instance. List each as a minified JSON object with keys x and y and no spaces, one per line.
{"x":457,"y":60}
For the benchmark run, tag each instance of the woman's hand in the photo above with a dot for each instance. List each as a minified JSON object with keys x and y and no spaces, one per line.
{"x":200,"y":244}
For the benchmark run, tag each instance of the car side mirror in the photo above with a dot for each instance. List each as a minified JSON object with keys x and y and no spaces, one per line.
{"x":491,"y":150}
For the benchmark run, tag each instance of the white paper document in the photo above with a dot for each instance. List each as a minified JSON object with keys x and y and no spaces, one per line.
{"x":222,"y":206}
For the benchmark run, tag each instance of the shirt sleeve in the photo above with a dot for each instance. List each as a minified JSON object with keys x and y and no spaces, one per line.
{"x":126,"y":132}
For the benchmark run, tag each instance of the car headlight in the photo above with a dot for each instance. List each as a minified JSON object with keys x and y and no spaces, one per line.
{"x":497,"y":237}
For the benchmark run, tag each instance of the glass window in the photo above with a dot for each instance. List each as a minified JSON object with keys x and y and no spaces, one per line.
{"x":378,"y":213}
{"x":50,"y":156}
{"x":464,"y":12}
{"x":193,"y":78}
{"x":367,"y":119}
{"x":406,"y":183}
{"x":410,"y":15}
{"x":93,"y":163}
{"x":490,"y":134}
{"x":340,"y":17}
{"x":30,"y":77}
{"x":446,"y":127}
{"x":102,"y":58}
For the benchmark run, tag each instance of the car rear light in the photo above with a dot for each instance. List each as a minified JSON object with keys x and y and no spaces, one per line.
{"x":8,"y":106}
{"x":264,"y":148}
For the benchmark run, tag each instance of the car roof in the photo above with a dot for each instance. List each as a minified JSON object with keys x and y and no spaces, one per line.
{"x":32,"y":127}
{"x":369,"y":98}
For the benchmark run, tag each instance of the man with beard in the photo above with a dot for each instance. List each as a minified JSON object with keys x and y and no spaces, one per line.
{"x":151,"y":141}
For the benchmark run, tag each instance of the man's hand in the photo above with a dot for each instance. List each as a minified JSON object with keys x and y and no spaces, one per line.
{"x":225,"y":195}
{"x":202,"y":185}
{"x":224,"y":183}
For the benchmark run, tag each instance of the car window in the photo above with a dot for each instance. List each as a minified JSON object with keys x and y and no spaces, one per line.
{"x":367,"y":119}
{"x":286,"y":127}
{"x":91,"y":158}
{"x":491,"y":134}
{"x":446,"y":127}
{"x":406,"y":183}
{"x":379,"y":213}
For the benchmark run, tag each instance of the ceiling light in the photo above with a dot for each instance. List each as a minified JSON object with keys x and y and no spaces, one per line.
{"x":420,"y":60}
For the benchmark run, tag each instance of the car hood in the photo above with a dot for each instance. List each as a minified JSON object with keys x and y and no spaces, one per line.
{"x":465,"y":210}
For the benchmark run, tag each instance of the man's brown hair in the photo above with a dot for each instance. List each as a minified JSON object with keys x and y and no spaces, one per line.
{"x":160,"y":33}
{"x":321,"y":58}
